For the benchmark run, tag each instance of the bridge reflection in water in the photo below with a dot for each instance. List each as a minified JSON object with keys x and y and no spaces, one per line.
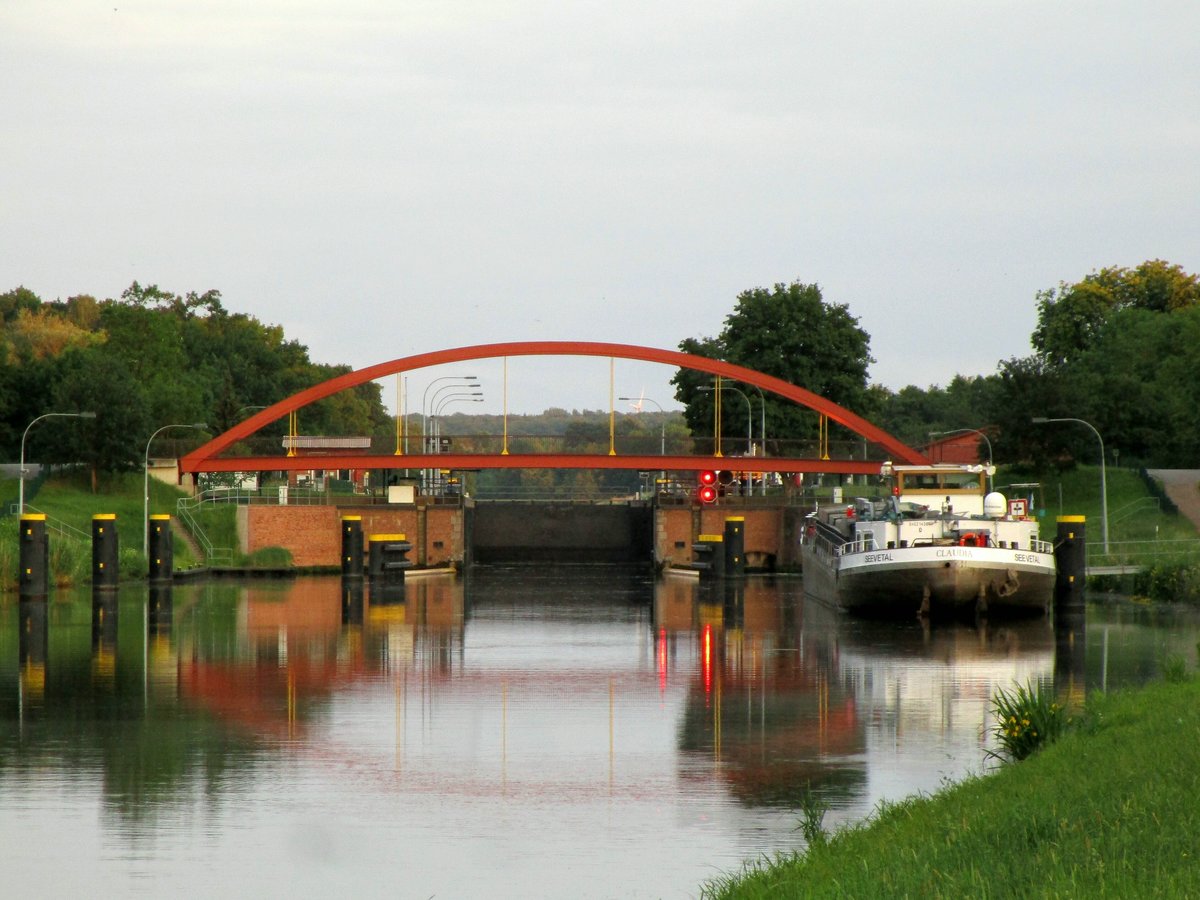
{"x":578,"y":725}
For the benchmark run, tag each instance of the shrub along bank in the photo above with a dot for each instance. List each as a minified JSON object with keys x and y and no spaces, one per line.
{"x":1109,"y":810}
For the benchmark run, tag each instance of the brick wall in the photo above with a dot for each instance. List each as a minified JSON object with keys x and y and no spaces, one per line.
{"x":313,"y":534}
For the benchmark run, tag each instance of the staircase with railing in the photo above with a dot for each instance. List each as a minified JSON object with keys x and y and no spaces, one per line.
{"x":213,"y":556}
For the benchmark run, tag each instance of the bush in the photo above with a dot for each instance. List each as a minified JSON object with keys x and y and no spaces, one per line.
{"x":1169,"y":582}
{"x":1026,"y":720}
{"x":270,"y":558}
{"x":70,"y":561}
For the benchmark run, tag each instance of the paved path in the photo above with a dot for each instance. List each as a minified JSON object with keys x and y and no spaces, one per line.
{"x":1183,"y":487}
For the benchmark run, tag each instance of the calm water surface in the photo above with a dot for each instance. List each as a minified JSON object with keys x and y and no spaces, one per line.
{"x":571,"y":732}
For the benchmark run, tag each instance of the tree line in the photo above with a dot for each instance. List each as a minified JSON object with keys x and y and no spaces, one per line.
{"x":149,"y":358}
{"x":1119,"y":349}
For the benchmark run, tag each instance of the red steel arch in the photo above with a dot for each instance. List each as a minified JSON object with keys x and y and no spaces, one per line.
{"x":204,"y":458}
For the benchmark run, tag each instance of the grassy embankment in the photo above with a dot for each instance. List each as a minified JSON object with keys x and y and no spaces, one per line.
{"x":69,"y":499}
{"x":1110,"y":810}
{"x":1138,"y":532}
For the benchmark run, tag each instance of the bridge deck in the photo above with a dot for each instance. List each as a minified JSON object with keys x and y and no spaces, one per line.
{"x":472,"y":461}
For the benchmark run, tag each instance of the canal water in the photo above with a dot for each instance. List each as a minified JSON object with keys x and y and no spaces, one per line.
{"x":566,"y":732}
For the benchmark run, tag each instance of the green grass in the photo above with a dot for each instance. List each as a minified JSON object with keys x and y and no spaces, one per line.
{"x":1131,"y":517}
{"x":1109,"y":810}
{"x":69,"y":499}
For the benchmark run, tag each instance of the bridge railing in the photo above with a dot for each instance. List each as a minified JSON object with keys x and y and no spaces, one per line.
{"x":597,"y":441}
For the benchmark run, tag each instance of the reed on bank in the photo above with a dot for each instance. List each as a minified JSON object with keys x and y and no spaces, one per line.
{"x":1109,"y":810}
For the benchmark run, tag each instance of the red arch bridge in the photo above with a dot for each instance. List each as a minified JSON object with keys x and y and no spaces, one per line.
{"x":218,"y":455}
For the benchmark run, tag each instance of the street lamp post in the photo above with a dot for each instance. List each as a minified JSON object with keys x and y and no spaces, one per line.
{"x":468,"y":381}
{"x":21,"y":471}
{"x":987,"y":440}
{"x":435,"y":419}
{"x":146,"y":485}
{"x":662,"y":436}
{"x":1041,"y":420}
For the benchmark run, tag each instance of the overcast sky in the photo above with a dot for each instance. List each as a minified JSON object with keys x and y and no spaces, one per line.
{"x":385,"y":177}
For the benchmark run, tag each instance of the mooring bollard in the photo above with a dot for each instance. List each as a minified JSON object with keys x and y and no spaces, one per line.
{"x":34,"y":557}
{"x":735,"y":547}
{"x":352,"y":547}
{"x":105,"y":551}
{"x":387,"y":559}
{"x":1070,"y":560}
{"x":709,"y":556}
{"x":162,"y":548}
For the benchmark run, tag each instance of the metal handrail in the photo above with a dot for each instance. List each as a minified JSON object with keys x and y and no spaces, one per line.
{"x":1129,"y":553}
{"x":213,"y":555}
{"x":863,"y":543}
{"x":59,"y":526}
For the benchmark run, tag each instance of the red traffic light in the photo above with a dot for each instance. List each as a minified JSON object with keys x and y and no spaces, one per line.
{"x":707,"y":493}
{"x":707,"y":477}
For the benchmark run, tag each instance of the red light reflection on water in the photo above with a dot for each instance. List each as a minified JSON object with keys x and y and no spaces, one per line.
{"x":662,"y":660}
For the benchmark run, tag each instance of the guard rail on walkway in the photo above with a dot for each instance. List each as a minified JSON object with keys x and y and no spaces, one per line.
{"x":1124,"y":557}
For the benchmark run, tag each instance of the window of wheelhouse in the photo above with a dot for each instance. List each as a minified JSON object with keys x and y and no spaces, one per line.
{"x":941,"y":482}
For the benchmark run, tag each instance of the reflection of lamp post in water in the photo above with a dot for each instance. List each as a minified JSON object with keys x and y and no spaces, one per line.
{"x":1041,"y":420}
{"x":21,"y":471}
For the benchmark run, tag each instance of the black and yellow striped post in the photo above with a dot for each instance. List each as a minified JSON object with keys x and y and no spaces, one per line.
{"x":161,"y":547}
{"x":34,"y":557}
{"x":105,"y":551}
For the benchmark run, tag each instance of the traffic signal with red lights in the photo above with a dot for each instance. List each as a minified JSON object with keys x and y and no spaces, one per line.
{"x":706,"y":486}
